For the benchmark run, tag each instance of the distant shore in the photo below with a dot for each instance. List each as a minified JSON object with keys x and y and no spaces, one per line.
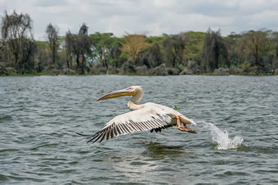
{"x":132,"y":70}
{"x":203,"y":74}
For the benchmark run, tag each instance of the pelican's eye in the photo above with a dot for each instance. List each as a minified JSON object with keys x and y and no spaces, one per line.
{"x":129,"y":88}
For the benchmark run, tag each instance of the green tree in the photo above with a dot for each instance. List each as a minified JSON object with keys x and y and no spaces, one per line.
{"x":133,"y":45}
{"x":152,"y":57}
{"x":275,"y":42}
{"x":194,"y":46}
{"x":106,"y":48}
{"x":255,"y":45}
{"x":42,"y":56}
{"x":235,"y":57}
{"x":115,"y":54}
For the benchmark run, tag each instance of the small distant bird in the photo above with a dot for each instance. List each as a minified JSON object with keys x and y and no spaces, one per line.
{"x":148,"y":116}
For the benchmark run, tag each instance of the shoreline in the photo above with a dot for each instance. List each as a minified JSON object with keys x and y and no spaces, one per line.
{"x":204,"y":74}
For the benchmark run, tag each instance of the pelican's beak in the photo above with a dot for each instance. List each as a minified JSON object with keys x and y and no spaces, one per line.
{"x":115,"y":94}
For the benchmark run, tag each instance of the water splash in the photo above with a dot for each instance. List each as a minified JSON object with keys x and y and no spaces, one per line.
{"x":221,"y":138}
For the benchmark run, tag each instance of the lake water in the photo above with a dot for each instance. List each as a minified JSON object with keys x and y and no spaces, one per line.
{"x":237,"y":125}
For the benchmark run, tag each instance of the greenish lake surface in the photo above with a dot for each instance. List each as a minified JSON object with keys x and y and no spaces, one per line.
{"x":236,"y":116}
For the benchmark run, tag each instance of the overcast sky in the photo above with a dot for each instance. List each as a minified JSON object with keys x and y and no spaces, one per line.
{"x":151,"y":17}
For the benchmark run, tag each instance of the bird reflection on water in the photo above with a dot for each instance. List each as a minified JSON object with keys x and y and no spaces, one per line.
{"x":161,"y":151}
{"x":147,"y":165}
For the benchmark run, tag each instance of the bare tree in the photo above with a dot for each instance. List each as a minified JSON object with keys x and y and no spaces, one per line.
{"x":68,"y":48}
{"x":214,"y":52}
{"x":174,"y":47}
{"x":53,"y":40}
{"x":79,"y":46}
{"x":16,"y":31}
{"x":14,"y":28}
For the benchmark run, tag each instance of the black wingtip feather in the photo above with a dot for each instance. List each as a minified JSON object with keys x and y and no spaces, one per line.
{"x":84,"y":135}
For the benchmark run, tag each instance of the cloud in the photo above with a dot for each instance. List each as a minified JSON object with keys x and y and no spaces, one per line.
{"x":49,"y":3}
{"x":151,"y":17}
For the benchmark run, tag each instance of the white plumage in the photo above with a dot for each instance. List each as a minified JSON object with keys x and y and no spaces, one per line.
{"x":148,"y":116}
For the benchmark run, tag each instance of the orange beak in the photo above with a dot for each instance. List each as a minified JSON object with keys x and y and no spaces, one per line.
{"x":115,"y":94}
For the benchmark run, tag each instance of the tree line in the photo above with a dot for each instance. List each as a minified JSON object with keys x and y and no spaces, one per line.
{"x":255,"y":52}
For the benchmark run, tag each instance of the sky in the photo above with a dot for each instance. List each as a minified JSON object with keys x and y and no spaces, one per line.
{"x":150,"y":17}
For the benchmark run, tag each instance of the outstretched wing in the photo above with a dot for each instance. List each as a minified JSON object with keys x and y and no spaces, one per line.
{"x":143,"y":119}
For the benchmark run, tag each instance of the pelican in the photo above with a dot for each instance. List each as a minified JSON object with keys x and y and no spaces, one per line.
{"x":148,"y":116}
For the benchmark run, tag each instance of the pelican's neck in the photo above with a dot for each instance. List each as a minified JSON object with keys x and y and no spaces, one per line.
{"x":132,"y":103}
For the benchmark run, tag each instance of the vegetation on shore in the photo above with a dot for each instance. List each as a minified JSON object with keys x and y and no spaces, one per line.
{"x":186,"y":53}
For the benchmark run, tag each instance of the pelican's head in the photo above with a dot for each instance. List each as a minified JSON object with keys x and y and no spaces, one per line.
{"x":130,"y":91}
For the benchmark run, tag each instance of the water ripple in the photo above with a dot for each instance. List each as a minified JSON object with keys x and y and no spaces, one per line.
{"x":40,"y":115}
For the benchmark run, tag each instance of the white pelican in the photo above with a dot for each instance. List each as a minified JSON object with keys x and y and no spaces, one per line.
{"x":148,"y":116}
